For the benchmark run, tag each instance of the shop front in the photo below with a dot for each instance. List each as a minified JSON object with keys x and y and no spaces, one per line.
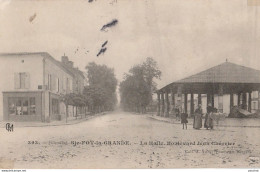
{"x":22,"y":106}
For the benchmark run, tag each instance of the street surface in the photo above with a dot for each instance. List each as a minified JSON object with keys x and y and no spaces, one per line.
{"x":126,"y":140}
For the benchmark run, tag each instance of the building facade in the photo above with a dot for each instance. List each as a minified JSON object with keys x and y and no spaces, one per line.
{"x":32,"y":87}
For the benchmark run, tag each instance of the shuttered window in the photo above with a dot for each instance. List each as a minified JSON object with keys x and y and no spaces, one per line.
{"x":64,"y":85}
{"x":58,"y":85}
{"x":53,"y":83}
{"x":70,"y":87}
{"x":17,"y":81}
{"x":27,"y":80}
{"x":67,"y":85}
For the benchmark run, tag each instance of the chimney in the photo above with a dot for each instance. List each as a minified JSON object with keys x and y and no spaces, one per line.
{"x":64,"y":59}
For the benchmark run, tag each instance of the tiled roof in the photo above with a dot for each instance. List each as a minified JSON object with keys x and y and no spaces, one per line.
{"x":225,"y":73}
{"x":75,"y":71}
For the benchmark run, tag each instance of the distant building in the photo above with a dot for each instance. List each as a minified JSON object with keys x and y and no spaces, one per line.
{"x":79,"y":77}
{"x":32,"y":85}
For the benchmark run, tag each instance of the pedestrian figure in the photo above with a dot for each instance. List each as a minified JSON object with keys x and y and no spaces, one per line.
{"x":197,"y":122}
{"x":184,"y":120}
{"x":208,"y":118}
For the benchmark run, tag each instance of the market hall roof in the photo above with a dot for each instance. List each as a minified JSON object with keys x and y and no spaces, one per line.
{"x":225,"y":73}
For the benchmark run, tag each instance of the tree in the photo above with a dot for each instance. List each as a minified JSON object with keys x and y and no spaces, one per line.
{"x":101,"y":91}
{"x":151,"y":71}
{"x":68,"y":100}
{"x":95,"y":97}
{"x":138,"y":86}
{"x":78,"y":101}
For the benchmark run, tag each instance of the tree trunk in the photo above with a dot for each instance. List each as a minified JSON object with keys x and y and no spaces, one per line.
{"x":67,"y":113}
{"x":76,"y":112}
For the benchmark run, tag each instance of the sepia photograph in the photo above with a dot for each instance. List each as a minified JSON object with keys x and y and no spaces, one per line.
{"x":130,"y":84}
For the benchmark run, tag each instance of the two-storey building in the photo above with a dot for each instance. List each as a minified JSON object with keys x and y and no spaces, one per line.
{"x":32,"y":85}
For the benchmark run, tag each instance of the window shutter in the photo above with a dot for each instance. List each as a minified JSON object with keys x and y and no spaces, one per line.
{"x":53,"y":83}
{"x":49,"y":81}
{"x":64,"y":84}
{"x":58,"y":84}
{"x":70,"y":85}
{"x":16,"y":81}
{"x":27,"y":80}
{"x":67,"y":85}
{"x":61,"y":84}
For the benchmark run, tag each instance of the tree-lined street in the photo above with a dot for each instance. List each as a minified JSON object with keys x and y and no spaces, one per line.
{"x":54,"y":147}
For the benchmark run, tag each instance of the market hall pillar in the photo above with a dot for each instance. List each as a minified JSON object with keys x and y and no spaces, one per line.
{"x":212,"y":100}
{"x":249,"y":101}
{"x":238,"y":99}
{"x":191,"y":104}
{"x":173,"y":100}
{"x":185,"y":103}
{"x":244,"y":97}
{"x":231,"y":102}
{"x":162,"y":111}
{"x":179,"y":93}
{"x":158,"y":104}
{"x":220,"y":98}
{"x":167,"y":104}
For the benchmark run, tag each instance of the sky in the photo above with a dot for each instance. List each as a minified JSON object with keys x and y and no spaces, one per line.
{"x":184,"y":37}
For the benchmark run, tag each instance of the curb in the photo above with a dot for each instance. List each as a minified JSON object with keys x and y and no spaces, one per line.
{"x":61,"y":124}
{"x":192,"y":124}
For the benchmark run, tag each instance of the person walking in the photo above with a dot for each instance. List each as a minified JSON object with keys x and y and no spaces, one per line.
{"x":184,"y":120}
{"x":197,"y":122}
{"x":208,"y":118}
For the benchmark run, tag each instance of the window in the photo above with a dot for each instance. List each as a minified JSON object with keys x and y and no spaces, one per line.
{"x":58,"y":85}
{"x":22,"y":80}
{"x":11,"y":106}
{"x":70,"y":86}
{"x":67,"y":84}
{"x":21,"y":106}
{"x":55,"y":106}
{"x":25,"y":107}
{"x":64,"y":84}
{"x":32,"y":106}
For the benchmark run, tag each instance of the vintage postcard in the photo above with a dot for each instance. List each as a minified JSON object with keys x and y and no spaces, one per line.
{"x":129,"y":84}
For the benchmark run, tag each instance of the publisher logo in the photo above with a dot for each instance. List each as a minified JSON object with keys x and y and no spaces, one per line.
{"x":9,"y":127}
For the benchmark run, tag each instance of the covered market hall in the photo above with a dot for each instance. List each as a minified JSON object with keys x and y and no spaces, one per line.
{"x":223,"y":87}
